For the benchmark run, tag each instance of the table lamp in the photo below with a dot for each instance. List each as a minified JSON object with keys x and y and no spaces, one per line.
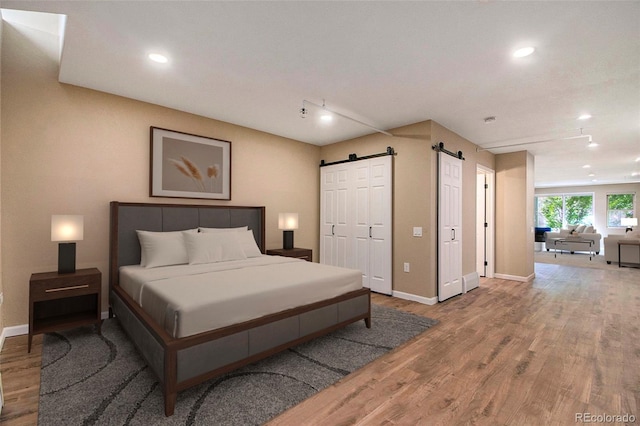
{"x":629,"y":222}
{"x":287,"y":222}
{"x":67,"y":229}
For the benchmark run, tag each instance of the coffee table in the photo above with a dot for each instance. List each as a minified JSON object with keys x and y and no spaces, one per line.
{"x":573,"y":240}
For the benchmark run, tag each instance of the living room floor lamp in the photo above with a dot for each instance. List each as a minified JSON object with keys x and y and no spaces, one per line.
{"x":67,"y":229}
{"x":287,"y":222}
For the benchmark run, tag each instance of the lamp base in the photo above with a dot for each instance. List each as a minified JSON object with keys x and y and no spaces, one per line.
{"x":66,"y":258}
{"x":287,"y":240}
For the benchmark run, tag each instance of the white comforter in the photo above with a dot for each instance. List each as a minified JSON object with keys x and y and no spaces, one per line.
{"x":190,"y":299}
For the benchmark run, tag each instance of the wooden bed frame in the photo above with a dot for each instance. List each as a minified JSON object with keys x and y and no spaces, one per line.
{"x":181,"y":363}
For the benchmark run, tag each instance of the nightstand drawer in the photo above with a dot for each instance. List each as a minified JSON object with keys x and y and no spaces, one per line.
{"x":49,"y":290}
{"x":64,"y":287}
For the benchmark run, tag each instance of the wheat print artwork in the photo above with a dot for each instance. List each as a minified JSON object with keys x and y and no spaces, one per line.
{"x":191,"y":171}
{"x":190,"y":166}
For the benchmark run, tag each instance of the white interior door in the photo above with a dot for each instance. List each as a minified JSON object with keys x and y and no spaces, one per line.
{"x":380,"y":212}
{"x":334,"y":217}
{"x":449,"y":227}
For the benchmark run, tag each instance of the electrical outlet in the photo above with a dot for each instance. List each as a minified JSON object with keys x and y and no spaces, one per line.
{"x":406,"y":266}
{"x":417,"y":231}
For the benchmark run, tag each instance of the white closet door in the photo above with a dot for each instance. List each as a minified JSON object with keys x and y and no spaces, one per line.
{"x":380,"y":225}
{"x":342,"y":229}
{"x":334,"y":216}
{"x":450,"y":227}
{"x":361,"y":219}
{"x":355,"y":222}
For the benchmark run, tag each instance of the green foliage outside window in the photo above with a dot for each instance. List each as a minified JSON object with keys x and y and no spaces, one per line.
{"x":550,"y":208}
{"x":618,"y":206}
{"x":558,"y":211}
{"x":578,"y":208}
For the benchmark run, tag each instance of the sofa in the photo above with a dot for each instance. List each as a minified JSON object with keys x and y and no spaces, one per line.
{"x":574,"y":231}
{"x":629,"y":254}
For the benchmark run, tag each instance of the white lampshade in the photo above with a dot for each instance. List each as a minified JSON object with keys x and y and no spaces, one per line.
{"x":629,"y":221}
{"x":288,"y":221}
{"x":67,"y":228}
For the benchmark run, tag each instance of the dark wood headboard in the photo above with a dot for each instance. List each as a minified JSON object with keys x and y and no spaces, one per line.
{"x":126,"y":218}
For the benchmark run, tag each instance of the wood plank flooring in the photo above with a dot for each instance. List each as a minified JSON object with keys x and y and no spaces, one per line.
{"x":507,"y":353}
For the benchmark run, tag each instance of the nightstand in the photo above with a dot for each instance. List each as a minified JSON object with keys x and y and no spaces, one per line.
{"x":61,"y":301}
{"x":299,"y":253}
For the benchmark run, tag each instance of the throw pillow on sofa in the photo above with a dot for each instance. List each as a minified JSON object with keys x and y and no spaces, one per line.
{"x":579,"y":229}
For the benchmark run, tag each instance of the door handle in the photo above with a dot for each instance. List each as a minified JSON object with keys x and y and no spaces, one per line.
{"x":370,"y":231}
{"x":453,"y":234}
{"x":332,"y":228}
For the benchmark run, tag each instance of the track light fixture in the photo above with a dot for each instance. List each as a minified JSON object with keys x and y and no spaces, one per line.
{"x":304,"y":111}
{"x":591,"y":143}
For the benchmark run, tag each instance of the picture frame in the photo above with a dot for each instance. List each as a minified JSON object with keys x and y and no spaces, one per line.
{"x":189,"y":166}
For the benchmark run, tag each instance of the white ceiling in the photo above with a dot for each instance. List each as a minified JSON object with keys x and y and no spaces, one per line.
{"x":387,"y":64}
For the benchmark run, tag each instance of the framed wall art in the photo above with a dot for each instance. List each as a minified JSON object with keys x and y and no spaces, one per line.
{"x":189,"y":166}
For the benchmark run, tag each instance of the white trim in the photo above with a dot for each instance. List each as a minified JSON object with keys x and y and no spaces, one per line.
{"x":415,"y":298}
{"x":515,"y":277}
{"x":490,"y":177}
{"x":16,"y":330}
{"x":19,"y":330}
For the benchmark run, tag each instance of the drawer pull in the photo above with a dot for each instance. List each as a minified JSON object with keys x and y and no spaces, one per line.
{"x":75,"y":287}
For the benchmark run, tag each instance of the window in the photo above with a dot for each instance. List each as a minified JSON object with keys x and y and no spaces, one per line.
{"x":558,"y":211}
{"x":619,"y":206}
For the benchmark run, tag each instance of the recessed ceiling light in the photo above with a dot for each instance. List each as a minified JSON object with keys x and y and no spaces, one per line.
{"x":525,"y":51}
{"x":586,"y":166}
{"x":584,"y":117}
{"x":592,"y":144}
{"x":592,"y":174}
{"x":326,"y":117}
{"x":159,"y":58}
{"x":635,"y":174}
{"x":594,"y":180}
{"x":637,"y":159}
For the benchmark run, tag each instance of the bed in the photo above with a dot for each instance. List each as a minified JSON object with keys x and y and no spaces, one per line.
{"x":182,"y":356}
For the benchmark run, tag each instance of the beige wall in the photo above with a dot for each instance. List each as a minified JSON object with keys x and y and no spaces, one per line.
{"x":414,"y":197}
{"x":600,"y":193}
{"x":514,"y":214}
{"x":69,"y":150}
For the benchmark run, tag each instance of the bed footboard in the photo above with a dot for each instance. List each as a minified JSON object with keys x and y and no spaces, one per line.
{"x":186,"y":362}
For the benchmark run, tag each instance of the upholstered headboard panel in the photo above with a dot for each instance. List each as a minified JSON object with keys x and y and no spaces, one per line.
{"x":126,"y":218}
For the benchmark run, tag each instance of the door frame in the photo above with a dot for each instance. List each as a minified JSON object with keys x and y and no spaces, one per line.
{"x":489,"y":212}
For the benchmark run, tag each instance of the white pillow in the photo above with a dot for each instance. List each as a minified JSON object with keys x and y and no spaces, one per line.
{"x":162,"y":248}
{"x":580,"y":229}
{"x":248,"y":244}
{"x":220,"y":230}
{"x":589,"y":230}
{"x":213,"y":247}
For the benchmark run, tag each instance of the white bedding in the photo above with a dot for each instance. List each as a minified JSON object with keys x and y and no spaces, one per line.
{"x":190,"y":299}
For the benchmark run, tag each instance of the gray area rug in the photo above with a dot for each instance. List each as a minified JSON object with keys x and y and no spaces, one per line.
{"x":87,"y":379}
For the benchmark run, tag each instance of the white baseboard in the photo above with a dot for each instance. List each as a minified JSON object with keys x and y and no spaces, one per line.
{"x":515,"y":277}
{"x":16,"y":330}
{"x":415,"y":298}
{"x":19,"y":330}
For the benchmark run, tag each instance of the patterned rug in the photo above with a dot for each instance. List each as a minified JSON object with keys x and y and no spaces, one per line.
{"x":87,"y":379}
